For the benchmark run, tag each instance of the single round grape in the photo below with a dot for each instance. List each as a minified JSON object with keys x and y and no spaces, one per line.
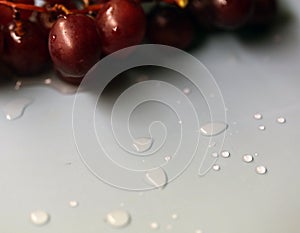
{"x":264,"y":12}
{"x":201,"y":12}
{"x":170,"y":26}
{"x":231,"y":14}
{"x":6,"y":13}
{"x":25,"y":48}
{"x":121,"y":23}
{"x":74,"y":45}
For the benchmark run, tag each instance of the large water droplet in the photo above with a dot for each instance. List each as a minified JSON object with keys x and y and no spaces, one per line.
{"x":39,"y":217}
{"x":73,"y":204}
{"x":157,"y":178}
{"x":248,"y":158}
{"x":225,"y":154}
{"x":142,"y":144}
{"x":258,"y":116}
{"x":281,"y":120}
{"x":216,"y":167}
{"x":118,"y":218}
{"x":16,"y":108}
{"x":213,"y":128}
{"x":261,"y":170}
{"x":154,"y":226}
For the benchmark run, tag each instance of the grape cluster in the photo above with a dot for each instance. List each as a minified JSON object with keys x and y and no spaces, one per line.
{"x":72,"y":36}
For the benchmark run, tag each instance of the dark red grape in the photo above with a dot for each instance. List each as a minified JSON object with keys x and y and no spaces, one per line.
{"x":7,"y":13}
{"x":170,"y":26}
{"x":264,"y":12}
{"x":74,"y":45}
{"x":201,"y":11}
{"x":121,"y":23}
{"x":25,"y":48}
{"x":231,"y":14}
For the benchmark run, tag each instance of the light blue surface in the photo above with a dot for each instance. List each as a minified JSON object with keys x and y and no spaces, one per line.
{"x":41,"y":169}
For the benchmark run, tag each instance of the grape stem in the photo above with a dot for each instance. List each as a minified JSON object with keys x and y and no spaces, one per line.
{"x":29,"y":7}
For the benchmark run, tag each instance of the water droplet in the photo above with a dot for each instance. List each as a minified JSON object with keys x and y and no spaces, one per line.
{"x":281,"y":120}
{"x":142,"y":144}
{"x":157,"y":177}
{"x":16,"y":108}
{"x":215,"y":154}
{"x":261,"y":170}
{"x":198,"y":231}
{"x":262,"y":127}
{"x":48,"y":81}
{"x":186,"y":90}
{"x":248,"y":158}
{"x":39,"y":217}
{"x":154,"y":226}
{"x":118,"y":218}
{"x":73,"y":204}
{"x":255,"y":154}
{"x":258,"y":116}
{"x":174,"y":216}
{"x":180,"y":122}
{"x":216,"y":167}
{"x":213,"y":128}
{"x":53,"y":38}
{"x":225,"y":154}
{"x":168,"y":158}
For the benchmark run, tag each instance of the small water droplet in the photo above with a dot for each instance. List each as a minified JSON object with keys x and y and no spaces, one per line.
{"x":248,"y":158}
{"x":255,"y":154}
{"x":186,"y":90}
{"x":198,"y":231}
{"x":53,"y":38}
{"x":213,"y":128}
{"x":174,"y":216}
{"x":258,"y":116}
{"x":142,"y":144}
{"x":16,"y":108}
{"x":216,"y":167}
{"x":168,"y":158}
{"x":48,"y":81}
{"x":118,"y":218}
{"x":73,"y":204}
{"x":157,"y":178}
{"x":39,"y":217}
{"x":154,"y":226}
{"x":225,"y":154}
{"x":262,"y":127}
{"x":180,"y":122}
{"x":261,"y":170}
{"x":215,"y":154}
{"x":281,"y":120}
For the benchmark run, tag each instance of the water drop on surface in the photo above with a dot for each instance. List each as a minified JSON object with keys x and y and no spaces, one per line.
{"x":186,"y":90}
{"x":225,"y":154}
{"x":73,"y":204}
{"x":157,"y":178}
{"x":154,"y":225}
{"x":262,"y":127}
{"x":39,"y":217}
{"x":168,"y":158}
{"x":248,"y":158}
{"x":258,"y":116}
{"x":281,"y":120}
{"x":142,"y":144}
{"x":261,"y":170}
{"x":216,"y":167}
{"x":118,"y":218}
{"x":213,"y":128}
{"x":255,"y":154}
{"x":174,"y":216}
{"x":15,"y":109}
